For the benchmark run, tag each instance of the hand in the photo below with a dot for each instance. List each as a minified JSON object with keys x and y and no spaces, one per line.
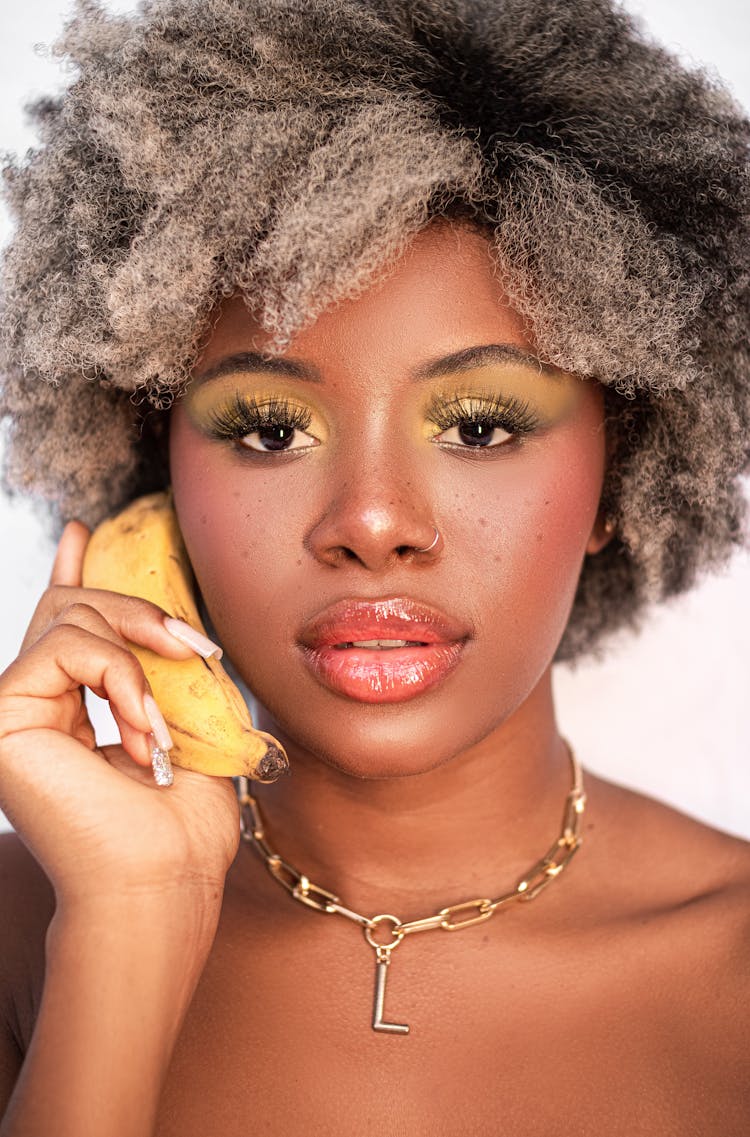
{"x":93,"y":816}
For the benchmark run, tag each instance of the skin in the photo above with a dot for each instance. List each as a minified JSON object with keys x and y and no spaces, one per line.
{"x":609,"y":1004}
{"x":275,"y":539}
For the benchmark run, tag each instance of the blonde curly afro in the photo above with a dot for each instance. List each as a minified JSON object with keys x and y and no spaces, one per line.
{"x":291,"y":148}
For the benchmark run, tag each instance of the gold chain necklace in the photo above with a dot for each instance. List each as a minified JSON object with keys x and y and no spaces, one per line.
{"x":526,"y":888}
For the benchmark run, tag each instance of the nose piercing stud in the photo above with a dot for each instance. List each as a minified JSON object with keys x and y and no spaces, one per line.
{"x":431,"y":546}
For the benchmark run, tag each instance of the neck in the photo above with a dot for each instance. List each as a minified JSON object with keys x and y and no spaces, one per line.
{"x":470,"y":827}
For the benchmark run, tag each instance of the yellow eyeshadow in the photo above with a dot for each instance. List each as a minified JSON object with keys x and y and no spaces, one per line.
{"x":521,"y":392}
{"x":204,"y":401}
{"x":550,"y":396}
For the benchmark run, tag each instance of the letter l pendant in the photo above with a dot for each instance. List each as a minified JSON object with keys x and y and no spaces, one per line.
{"x":382,"y":964}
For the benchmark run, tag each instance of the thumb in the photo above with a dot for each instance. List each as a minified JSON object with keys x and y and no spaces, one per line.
{"x":68,"y":563}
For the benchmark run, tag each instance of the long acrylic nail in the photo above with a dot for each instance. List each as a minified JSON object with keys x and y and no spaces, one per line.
{"x":194,"y":639}
{"x":160,"y":763}
{"x":158,"y":725}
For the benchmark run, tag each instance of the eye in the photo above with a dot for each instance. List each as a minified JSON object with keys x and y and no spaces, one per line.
{"x":265,"y":427}
{"x":473,"y":423}
{"x":277,"y":436}
{"x":475,"y":433}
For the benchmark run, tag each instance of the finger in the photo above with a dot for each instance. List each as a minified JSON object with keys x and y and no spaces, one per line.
{"x":138,"y":734}
{"x":133,"y":619}
{"x":135,"y":742}
{"x":81,"y":615}
{"x":63,"y":660}
{"x":67,"y":566}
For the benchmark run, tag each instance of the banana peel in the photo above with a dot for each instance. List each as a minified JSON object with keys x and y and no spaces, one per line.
{"x":140,"y":552}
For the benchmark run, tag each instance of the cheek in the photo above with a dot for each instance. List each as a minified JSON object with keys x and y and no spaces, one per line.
{"x":562,"y":516}
{"x":540,"y":519}
{"x":232,"y":526}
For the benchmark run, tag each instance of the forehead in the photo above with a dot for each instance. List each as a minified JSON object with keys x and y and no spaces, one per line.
{"x":443,"y":292}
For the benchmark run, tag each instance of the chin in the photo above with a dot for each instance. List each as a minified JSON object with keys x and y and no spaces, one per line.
{"x":376,"y":746}
{"x":378,"y":766}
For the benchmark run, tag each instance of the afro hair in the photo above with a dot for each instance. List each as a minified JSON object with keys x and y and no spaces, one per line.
{"x":290,"y":149}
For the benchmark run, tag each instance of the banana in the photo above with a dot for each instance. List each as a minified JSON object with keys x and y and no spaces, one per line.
{"x":140,"y":552}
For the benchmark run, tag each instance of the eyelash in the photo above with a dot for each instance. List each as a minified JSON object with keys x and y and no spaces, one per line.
{"x":511,"y":414}
{"x":243,"y":416}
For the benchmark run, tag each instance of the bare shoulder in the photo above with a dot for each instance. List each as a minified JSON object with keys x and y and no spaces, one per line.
{"x":680,"y":894}
{"x":676,"y":856}
{"x":27,"y":901}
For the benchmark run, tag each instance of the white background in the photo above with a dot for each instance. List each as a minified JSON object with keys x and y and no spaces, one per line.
{"x":666,"y":713}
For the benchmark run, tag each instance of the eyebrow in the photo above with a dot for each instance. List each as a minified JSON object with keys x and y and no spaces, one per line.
{"x":254,"y":361}
{"x":463,"y":360}
{"x":476,"y":356}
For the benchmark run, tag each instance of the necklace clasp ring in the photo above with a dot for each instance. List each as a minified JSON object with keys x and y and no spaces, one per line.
{"x":377,"y":920}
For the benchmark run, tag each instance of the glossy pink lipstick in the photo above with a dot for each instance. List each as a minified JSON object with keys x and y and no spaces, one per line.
{"x":382,"y":651}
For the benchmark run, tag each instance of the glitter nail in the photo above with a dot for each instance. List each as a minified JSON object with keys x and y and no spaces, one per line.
{"x":160,"y":764}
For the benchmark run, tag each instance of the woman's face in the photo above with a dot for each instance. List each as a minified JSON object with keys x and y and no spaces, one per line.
{"x":309,"y":483}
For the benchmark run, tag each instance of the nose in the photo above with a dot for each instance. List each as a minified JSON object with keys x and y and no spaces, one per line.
{"x":376,"y":520}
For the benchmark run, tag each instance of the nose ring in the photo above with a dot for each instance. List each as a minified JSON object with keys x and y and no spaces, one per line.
{"x":430,"y":546}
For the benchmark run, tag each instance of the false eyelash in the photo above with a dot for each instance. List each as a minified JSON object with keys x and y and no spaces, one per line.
{"x":241,"y":416}
{"x":510,"y":413}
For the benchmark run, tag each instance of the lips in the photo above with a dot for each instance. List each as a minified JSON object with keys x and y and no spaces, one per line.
{"x":430,"y":644}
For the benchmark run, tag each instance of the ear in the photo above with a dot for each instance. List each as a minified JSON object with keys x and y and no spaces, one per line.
{"x":602,"y":532}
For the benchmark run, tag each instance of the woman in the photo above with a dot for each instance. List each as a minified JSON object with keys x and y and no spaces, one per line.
{"x":433,"y":318}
